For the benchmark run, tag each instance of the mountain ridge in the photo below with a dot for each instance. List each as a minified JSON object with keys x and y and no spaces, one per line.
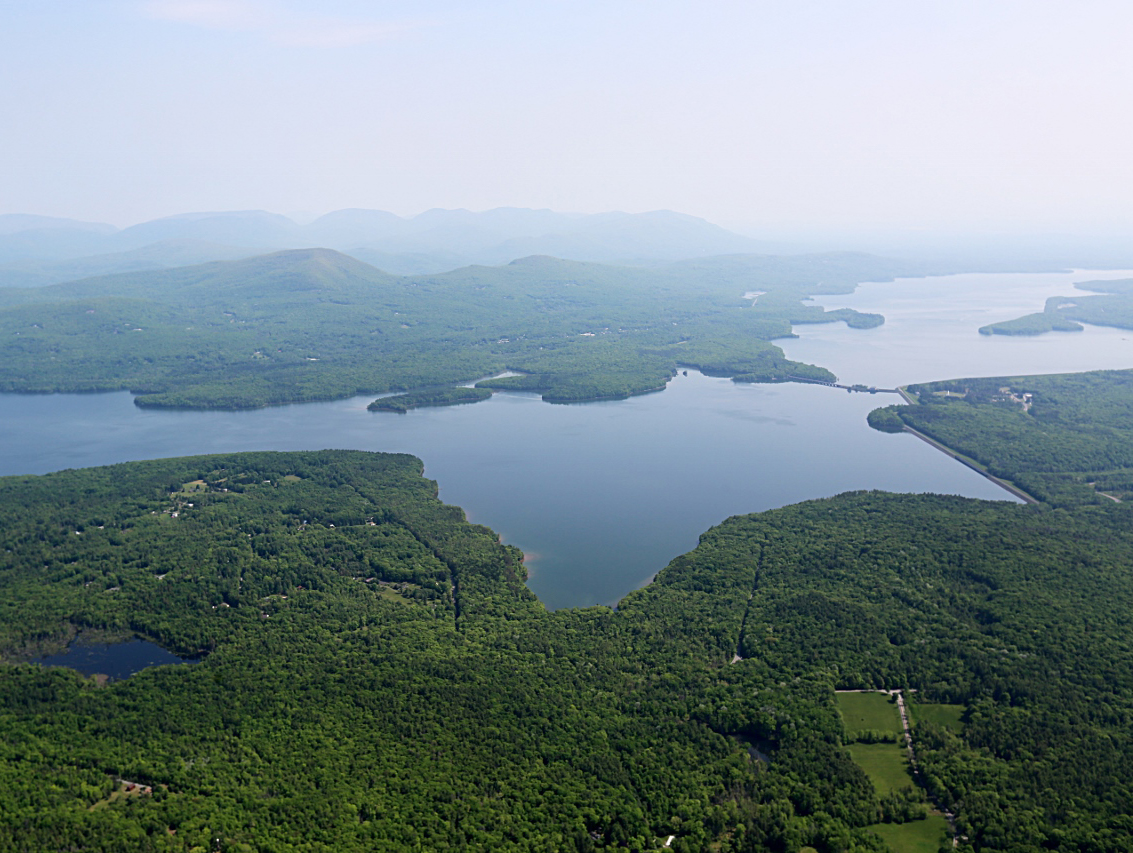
{"x":317,"y":324}
{"x":434,"y":241}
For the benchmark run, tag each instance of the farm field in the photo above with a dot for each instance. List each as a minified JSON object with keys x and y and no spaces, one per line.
{"x":918,"y":836}
{"x":868,"y":712}
{"x":884,"y":764}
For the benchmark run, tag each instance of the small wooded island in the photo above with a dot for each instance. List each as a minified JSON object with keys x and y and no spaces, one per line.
{"x":375,"y":674}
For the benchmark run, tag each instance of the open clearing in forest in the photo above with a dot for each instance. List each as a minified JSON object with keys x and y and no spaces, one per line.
{"x":938,"y":714}
{"x":884,"y":763}
{"x":868,"y":712}
{"x":918,"y":836}
{"x":124,"y":790}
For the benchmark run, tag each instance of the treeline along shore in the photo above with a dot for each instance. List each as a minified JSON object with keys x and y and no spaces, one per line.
{"x":375,"y":674}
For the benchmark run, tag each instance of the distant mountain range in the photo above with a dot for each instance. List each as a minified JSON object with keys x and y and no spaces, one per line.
{"x":39,"y":250}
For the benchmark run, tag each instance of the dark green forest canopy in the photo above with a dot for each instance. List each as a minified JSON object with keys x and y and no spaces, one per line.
{"x":1110,"y":304}
{"x":1067,"y":439}
{"x":315,"y":325}
{"x":376,"y":675}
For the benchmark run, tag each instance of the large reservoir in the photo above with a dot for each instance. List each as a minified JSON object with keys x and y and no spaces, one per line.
{"x":602,"y":495}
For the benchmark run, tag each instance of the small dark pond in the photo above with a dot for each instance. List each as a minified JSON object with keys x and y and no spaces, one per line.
{"x":117,"y":661}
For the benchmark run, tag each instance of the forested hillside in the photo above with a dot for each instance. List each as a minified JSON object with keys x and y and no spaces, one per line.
{"x":315,"y":325}
{"x":1065,"y":439}
{"x":375,"y":675}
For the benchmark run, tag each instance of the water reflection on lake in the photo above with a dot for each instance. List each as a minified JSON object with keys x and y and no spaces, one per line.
{"x":603,"y":495}
{"x":117,"y":661}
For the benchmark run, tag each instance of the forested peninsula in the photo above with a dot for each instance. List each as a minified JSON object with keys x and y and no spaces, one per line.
{"x":375,"y":675}
{"x":304,"y":325}
{"x":1108,"y":303}
{"x":421,"y":399}
{"x":1065,"y":439}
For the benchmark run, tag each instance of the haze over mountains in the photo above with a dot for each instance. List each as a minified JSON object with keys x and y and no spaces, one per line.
{"x":37,"y":250}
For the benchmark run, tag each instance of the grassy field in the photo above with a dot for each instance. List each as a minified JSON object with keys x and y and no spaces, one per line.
{"x":938,"y":713}
{"x":919,"y":836}
{"x":868,"y":712}
{"x":885,"y":765}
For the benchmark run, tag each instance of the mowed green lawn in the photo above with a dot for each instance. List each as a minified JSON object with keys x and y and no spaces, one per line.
{"x":884,"y":763}
{"x":868,"y":712}
{"x":939,"y":714}
{"x":918,"y":836}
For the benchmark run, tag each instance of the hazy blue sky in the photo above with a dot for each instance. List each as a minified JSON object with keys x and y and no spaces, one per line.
{"x":1010,"y":114}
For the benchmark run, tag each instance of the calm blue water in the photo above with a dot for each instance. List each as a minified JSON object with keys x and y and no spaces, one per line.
{"x":118,"y":660}
{"x":930,"y":331}
{"x":602,"y":495}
